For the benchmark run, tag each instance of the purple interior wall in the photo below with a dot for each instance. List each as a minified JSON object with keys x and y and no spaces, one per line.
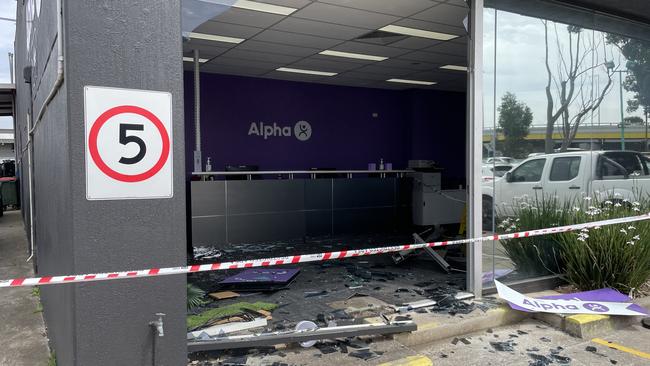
{"x":350,"y":126}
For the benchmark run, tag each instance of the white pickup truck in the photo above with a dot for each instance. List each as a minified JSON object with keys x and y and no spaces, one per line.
{"x":613,"y":175}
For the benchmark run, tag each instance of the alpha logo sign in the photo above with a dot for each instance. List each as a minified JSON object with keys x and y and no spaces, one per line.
{"x":301,"y":130}
{"x":128,"y":143}
{"x":562,"y":306}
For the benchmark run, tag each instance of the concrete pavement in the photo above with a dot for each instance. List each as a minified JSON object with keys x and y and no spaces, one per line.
{"x":530,"y":342}
{"x":22,"y":332}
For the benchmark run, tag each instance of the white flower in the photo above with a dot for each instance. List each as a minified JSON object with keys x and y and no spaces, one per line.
{"x":584,"y":230}
{"x":623,"y":231}
{"x":608,"y":202}
{"x":629,"y":242}
{"x":635,"y":203}
{"x":631,"y":227}
{"x":617,"y":194}
{"x":587,"y":198}
{"x":617,"y":204}
{"x":576,"y":209}
{"x":597,"y":227}
{"x":636,"y":237}
{"x":635,"y":209}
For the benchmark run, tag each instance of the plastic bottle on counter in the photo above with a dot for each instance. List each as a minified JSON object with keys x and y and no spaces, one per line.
{"x":381,"y":164}
{"x":208,"y":165}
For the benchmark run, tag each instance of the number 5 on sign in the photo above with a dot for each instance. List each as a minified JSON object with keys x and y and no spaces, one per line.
{"x":128,"y":143}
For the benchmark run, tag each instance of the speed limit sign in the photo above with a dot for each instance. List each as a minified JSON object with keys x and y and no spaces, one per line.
{"x":128,"y":143}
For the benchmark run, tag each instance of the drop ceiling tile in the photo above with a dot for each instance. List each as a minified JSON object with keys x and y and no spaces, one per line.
{"x":275,"y":48}
{"x":290,"y":3}
{"x":461,"y":3}
{"x":236,"y":62}
{"x":233,"y":70}
{"x":323,"y":65}
{"x":345,"y":16}
{"x":228,"y":30}
{"x":208,"y":47}
{"x":385,"y":71}
{"x":444,"y":14}
{"x":462,"y":40}
{"x":293,"y":76}
{"x":347,"y":82}
{"x":434,"y":27}
{"x":400,"y":8}
{"x":450,"y":48}
{"x":432,"y":75}
{"x":314,"y":28}
{"x":365,"y":75}
{"x":435,"y":58}
{"x":294,"y":39}
{"x":248,"y":17}
{"x":413,"y":65}
{"x":342,"y":59}
{"x":260,"y":56}
{"x":415,"y":43}
{"x":370,"y":49}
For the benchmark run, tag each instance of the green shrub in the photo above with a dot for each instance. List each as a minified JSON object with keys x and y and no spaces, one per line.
{"x":538,"y":255}
{"x":195,"y":297}
{"x":51,"y":361}
{"x":615,"y":256}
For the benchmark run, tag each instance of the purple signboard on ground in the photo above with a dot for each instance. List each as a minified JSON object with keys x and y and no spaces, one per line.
{"x":604,"y":294}
{"x":263,"y":275}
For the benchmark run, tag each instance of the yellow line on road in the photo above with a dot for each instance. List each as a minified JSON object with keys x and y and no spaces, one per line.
{"x":621,"y":348}
{"x":410,"y":361}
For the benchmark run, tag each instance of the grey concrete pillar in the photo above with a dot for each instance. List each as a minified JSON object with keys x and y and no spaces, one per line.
{"x":132,"y":44}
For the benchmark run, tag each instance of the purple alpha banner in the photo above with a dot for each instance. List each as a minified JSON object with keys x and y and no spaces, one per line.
{"x":604,"y":301}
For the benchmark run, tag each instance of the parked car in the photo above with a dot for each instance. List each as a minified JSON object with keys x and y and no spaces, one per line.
{"x":500,"y":160}
{"x":611,"y":175}
{"x":494,"y":171}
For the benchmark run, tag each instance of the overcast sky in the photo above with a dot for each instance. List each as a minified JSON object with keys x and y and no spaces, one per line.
{"x":520,"y":67}
{"x":7,"y":31}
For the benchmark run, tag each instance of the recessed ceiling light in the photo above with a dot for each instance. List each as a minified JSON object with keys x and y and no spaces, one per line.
{"x":216,"y":38}
{"x":417,"y":32}
{"x":191,"y":59}
{"x":310,"y":72}
{"x":359,"y":56}
{"x":416,"y":82}
{"x":256,"y":6}
{"x":454,"y":67}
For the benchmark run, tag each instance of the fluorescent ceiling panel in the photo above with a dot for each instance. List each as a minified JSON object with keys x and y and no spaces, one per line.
{"x":454,"y":67}
{"x":216,"y":38}
{"x":265,"y":8}
{"x":191,"y":59}
{"x":407,"y":81}
{"x":417,"y":32}
{"x":359,"y":56}
{"x":303,"y":71}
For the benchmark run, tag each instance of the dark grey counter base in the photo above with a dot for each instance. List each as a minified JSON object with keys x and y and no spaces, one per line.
{"x":258,"y":210}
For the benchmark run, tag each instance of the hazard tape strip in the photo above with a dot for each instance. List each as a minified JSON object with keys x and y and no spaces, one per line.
{"x":317,"y":257}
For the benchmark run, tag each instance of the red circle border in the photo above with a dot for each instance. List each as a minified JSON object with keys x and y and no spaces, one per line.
{"x":94,"y":152}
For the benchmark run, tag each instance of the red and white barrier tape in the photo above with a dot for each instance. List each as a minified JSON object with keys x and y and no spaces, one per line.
{"x":266,"y":262}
